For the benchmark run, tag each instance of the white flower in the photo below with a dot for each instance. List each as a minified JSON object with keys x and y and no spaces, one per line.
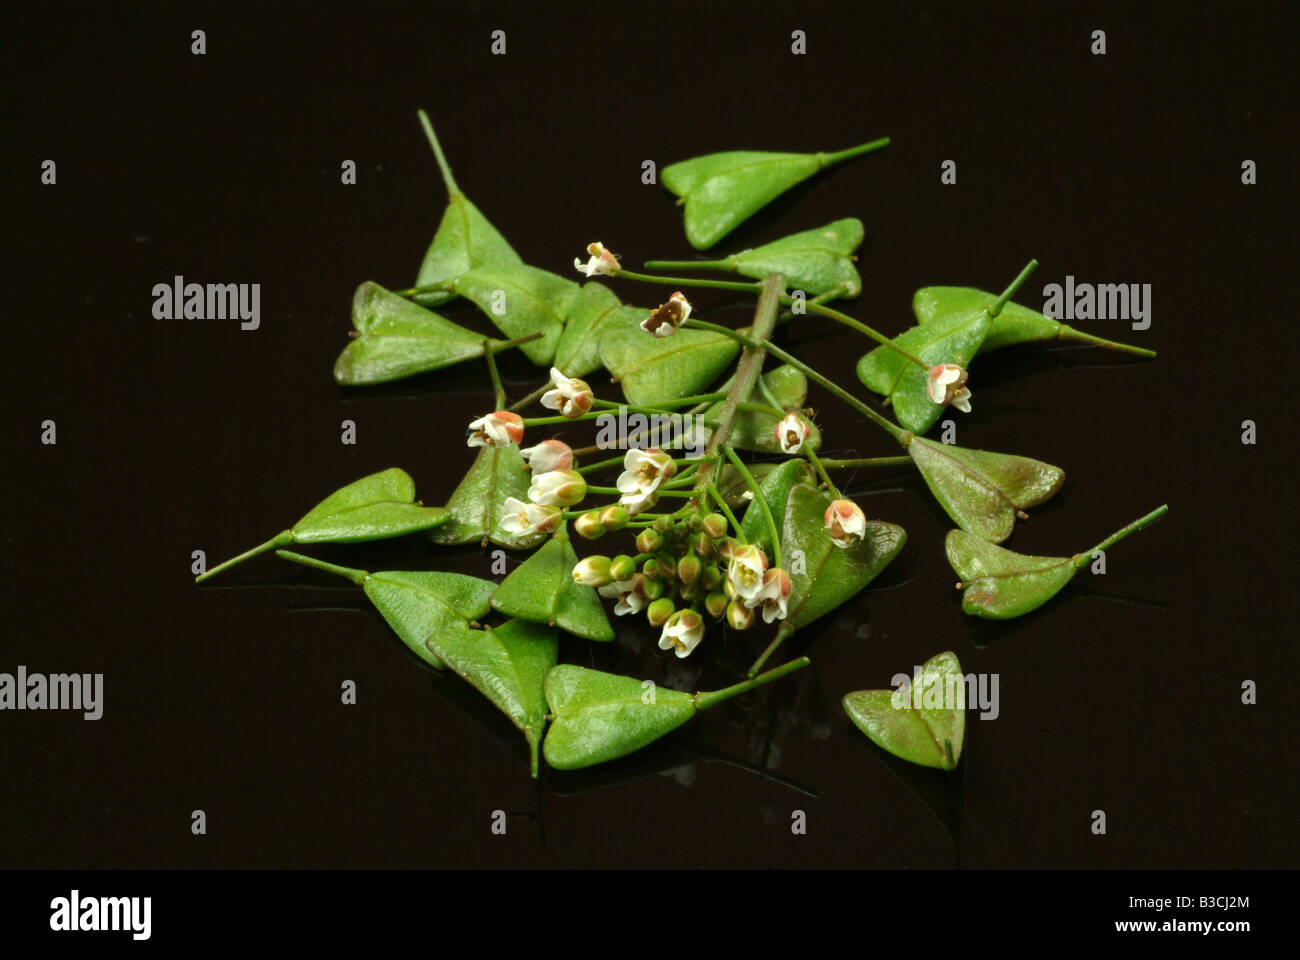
{"x":548,"y":455}
{"x":603,"y":262}
{"x":630,"y":599}
{"x":667,"y":317}
{"x":745,"y":571}
{"x":562,"y":487}
{"x":571,"y":397}
{"x":523,"y":517}
{"x":499,"y":429}
{"x":643,"y":471}
{"x":845,"y":522}
{"x":791,"y":432}
{"x":772,"y":595}
{"x":682,"y":632}
{"x":946,"y":385}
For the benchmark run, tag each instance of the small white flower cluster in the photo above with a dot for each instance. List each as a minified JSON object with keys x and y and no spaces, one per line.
{"x":555,"y":485}
{"x":643,"y":472}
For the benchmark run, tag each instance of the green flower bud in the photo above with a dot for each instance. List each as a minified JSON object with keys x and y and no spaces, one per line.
{"x":615,"y":517}
{"x":659,"y":611}
{"x":592,"y":571}
{"x":716,"y":604}
{"x":667,"y":566}
{"x":588,"y":525}
{"x":663,"y":524}
{"x":649,"y":540}
{"x":689,"y":568}
{"x":653,"y":589}
{"x":715,"y":525}
{"x":622,"y":567}
{"x":711,"y":577}
{"x":690,"y":591}
{"x":652,"y":570}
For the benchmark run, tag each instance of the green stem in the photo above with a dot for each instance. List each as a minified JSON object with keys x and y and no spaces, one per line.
{"x":279,"y":540}
{"x":821,"y":470}
{"x":766,"y":391}
{"x":865,"y":462}
{"x":615,"y":491}
{"x":898,"y":433}
{"x":690,"y":282}
{"x":861,"y":327}
{"x":728,"y":265}
{"x":684,"y":479}
{"x":524,"y":402}
{"x":356,"y":576}
{"x":760,"y":500}
{"x":773,"y":411}
{"x":1068,"y":332}
{"x":409,"y":293}
{"x":1082,"y":558}
{"x":726,"y":510}
{"x":830,"y":159}
{"x":832,"y":294}
{"x":668,"y":406}
{"x":496,"y":346}
{"x":996,"y":306}
{"x":560,"y":418}
{"x":453,"y":191}
{"x":704,"y":700}
{"x":782,"y":634}
{"x":498,"y":391}
{"x":602,"y":464}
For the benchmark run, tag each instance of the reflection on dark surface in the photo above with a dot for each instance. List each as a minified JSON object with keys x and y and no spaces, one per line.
{"x":941,"y":791}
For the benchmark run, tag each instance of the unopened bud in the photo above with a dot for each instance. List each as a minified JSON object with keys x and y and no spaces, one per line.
{"x":690,"y":591}
{"x":592,"y":571}
{"x":588,"y":525}
{"x":702,"y":544}
{"x":622,"y":567}
{"x":711,"y":577}
{"x":659,"y":611}
{"x":653,"y":589}
{"x":667,"y":566}
{"x":739,"y":616}
{"x":715,"y":525}
{"x":649,"y":541}
{"x":663,"y":524}
{"x":615,"y":517}
{"x":689,"y":568}
{"x":716,"y":604}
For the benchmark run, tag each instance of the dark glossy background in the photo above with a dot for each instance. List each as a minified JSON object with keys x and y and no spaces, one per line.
{"x":1123,"y":694}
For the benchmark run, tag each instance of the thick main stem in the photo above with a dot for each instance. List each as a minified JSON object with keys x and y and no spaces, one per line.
{"x":898,"y":433}
{"x":706,"y":699}
{"x":747,"y":373}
